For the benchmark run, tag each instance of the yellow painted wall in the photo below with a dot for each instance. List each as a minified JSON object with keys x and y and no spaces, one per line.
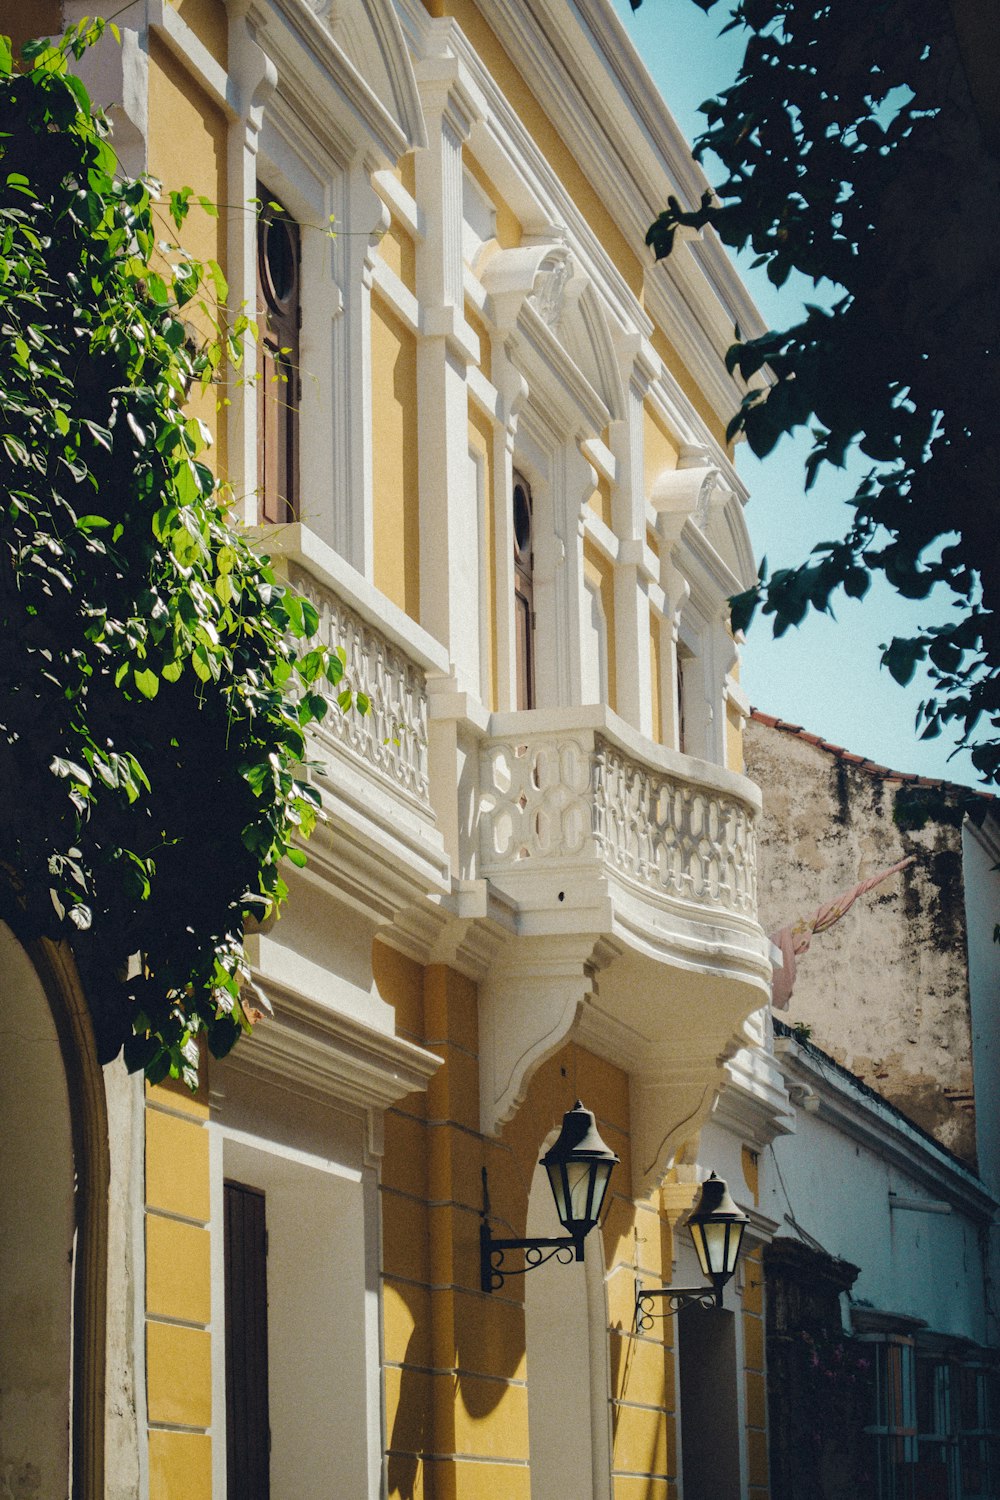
{"x":600,"y":500}
{"x":482,"y":333}
{"x":508,"y":224}
{"x":658,"y":450}
{"x":734,"y":739}
{"x":394,"y":459}
{"x":481,"y":443}
{"x":456,"y":1365}
{"x":207,"y":19}
{"x":397,"y":250}
{"x":406,"y":171}
{"x":599,"y":572}
{"x":689,"y":386}
{"x":178,"y":1293}
{"x":734,"y":729}
{"x":187,"y":148}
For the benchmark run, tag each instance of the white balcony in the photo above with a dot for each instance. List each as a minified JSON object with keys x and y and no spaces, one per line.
{"x":376,"y":849}
{"x":630,"y":872}
{"x":576,"y":798}
{"x":373,"y":768}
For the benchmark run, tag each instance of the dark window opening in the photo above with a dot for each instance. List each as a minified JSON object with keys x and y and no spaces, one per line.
{"x":248,"y":1435}
{"x":278,"y":381}
{"x":524,"y":594}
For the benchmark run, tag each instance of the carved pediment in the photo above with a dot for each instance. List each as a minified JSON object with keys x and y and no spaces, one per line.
{"x":546,"y":277}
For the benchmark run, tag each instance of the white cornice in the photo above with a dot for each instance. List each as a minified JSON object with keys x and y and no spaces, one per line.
{"x":575,"y":58}
{"x":330,"y":1056}
{"x":753,"y":1104}
{"x":324,"y":77}
{"x":465,"y":929}
{"x":582,"y":408}
{"x":542,"y":202}
{"x":842,"y":1103}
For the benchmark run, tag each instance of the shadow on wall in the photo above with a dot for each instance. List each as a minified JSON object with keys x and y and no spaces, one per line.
{"x":477,"y":1341}
{"x":411,"y":1439}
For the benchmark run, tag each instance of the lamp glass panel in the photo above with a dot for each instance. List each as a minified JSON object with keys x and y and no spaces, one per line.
{"x":578,"y":1178}
{"x":579,"y":1188}
{"x":560,"y":1189}
{"x":718,"y":1246}
{"x":602,"y":1179}
{"x":710,"y":1242}
{"x":733,"y":1253}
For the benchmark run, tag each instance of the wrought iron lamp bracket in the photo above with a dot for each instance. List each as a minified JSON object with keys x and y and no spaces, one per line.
{"x":492,"y":1273}
{"x":676,"y":1298}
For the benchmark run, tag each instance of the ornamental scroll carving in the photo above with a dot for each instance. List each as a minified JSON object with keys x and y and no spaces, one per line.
{"x":390,"y":740}
{"x":577,"y":797}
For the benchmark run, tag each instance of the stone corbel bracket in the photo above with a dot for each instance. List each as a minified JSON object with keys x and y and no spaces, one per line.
{"x":510,"y":277}
{"x":687,"y":493}
{"x":529,"y":1005}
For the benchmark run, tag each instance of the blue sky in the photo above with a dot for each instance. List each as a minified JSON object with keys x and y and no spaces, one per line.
{"x":824,"y":675}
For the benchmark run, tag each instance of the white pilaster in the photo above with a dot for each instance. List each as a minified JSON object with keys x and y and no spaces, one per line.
{"x":256,"y":79}
{"x":448,"y":520}
{"x":354,"y":503}
{"x":634,"y":698}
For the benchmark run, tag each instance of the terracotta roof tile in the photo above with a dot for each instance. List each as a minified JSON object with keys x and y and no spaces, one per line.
{"x":862,"y":761}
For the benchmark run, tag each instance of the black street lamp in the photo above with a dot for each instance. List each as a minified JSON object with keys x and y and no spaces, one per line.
{"x":717,"y":1227}
{"x":579,"y":1168}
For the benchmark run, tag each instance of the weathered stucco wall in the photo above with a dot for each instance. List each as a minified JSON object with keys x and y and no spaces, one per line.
{"x":886,"y":990}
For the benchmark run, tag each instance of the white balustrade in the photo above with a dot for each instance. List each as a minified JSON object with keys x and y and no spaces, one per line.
{"x":391,"y":739}
{"x":576,"y":797}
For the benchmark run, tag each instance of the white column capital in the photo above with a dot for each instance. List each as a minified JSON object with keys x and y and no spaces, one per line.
{"x":448,"y":92}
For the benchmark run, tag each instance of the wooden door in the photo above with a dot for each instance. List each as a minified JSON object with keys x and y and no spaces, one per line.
{"x":248,"y":1433}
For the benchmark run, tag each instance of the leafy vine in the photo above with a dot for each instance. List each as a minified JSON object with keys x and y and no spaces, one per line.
{"x":156,"y":678}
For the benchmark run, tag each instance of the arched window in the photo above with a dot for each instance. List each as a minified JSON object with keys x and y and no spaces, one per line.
{"x":278,"y":381}
{"x":524,"y":593}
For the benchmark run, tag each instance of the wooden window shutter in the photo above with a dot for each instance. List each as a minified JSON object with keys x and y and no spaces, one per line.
{"x":248,"y":1437}
{"x":278,"y":379}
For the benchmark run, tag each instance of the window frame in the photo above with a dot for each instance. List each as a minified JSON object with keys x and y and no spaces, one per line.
{"x":894,"y":1432}
{"x":279,"y":323}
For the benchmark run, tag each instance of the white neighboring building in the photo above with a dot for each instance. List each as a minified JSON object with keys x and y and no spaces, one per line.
{"x":868,"y":1230}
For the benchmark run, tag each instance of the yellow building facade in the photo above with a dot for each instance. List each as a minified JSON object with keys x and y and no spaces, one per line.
{"x":498,"y":457}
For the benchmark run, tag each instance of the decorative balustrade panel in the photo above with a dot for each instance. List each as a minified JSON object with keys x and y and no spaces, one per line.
{"x":567,"y":796}
{"x":687,"y":840}
{"x":541,"y":802}
{"x":391,"y":739}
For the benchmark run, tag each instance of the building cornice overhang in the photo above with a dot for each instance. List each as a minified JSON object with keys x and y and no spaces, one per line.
{"x":623,"y":136}
{"x":879,"y":1127}
{"x":330,"y":1055}
{"x":684,"y":298}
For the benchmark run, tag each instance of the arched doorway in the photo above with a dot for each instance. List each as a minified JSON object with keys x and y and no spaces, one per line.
{"x":53,"y":1185}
